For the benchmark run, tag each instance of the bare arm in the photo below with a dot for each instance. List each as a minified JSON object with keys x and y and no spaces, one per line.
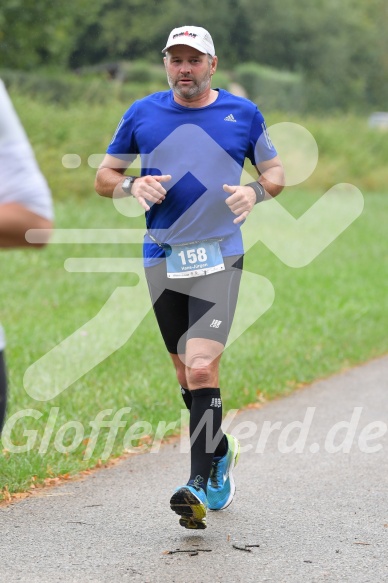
{"x":110,"y":176}
{"x":146,"y":189}
{"x":15,"y":220}
{"x":243,"y":198}
{"x":271,"y":176}
{"x":25,"y":197}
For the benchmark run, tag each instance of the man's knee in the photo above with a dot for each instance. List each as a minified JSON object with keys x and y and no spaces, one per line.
{"x":201,"y":371}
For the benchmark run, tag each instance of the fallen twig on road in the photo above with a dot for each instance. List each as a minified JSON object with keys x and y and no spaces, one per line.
{"x":244,"y":548}
{"x":192,"y":552}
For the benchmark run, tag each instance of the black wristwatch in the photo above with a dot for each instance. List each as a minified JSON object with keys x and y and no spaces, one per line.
{"x":127,"y":184}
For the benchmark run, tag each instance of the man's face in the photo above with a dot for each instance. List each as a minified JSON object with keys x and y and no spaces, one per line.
{"x":188,"y":71}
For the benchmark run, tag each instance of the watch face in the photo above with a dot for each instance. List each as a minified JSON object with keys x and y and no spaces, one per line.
{"x":127,"y":184}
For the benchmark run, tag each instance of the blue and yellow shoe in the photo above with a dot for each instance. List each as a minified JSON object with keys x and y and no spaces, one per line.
{"x":221,"y":487}
{"x":191,"y":504}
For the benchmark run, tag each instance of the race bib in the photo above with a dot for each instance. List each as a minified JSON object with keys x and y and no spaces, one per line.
{"x":194,"y":259}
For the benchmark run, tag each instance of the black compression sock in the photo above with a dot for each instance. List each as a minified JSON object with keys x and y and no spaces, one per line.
{"x":186,"y":396}
{"x":222,"y":447}
{"x":205,"y":432}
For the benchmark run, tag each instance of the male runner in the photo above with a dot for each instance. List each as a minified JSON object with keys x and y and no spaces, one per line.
{"x":193,"y":141}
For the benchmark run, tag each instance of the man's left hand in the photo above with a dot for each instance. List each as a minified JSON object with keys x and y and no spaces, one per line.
{"x":241,"y":201}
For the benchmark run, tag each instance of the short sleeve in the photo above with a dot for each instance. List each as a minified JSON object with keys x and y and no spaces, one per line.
{"x":21,"y":179}
{"x":123,"y":144}
{"x":260,"y":146}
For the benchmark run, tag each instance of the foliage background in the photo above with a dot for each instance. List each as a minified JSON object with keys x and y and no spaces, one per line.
{"x":72,"y":68}
{"x":339,"y":48}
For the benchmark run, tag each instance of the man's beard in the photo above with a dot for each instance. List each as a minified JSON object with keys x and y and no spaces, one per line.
{"x":189,"y":92}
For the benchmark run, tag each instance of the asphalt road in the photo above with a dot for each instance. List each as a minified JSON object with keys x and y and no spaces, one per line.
{"x":313,"y":496}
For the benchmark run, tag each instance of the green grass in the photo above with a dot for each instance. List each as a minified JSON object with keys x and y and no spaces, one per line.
{"x":326,"y":316}
{"x":349,"y":151}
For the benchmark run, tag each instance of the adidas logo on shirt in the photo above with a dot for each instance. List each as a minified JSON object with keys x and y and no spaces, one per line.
{"x":216,"y":402}
{"x":230,"y":118}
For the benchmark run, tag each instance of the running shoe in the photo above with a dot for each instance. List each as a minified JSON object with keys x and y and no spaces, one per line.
{"x":221,"y":487}
{"x":191,"y":504}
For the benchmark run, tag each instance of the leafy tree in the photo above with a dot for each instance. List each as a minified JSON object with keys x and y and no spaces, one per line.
{"x":134,"y":29}
{"x":332,"y":43}
{"x":125,"y":29}
{"x":340,"y":48}
{"x":42,"y":32}
{"x":376,"y":70}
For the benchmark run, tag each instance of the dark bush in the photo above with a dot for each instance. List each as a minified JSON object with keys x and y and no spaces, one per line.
{"x":271,"y":88}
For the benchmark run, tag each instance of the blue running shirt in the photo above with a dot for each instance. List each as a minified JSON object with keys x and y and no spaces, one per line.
{"x":202,"y":148}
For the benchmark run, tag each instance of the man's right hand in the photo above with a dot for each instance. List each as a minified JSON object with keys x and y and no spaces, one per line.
{"x":148,"y":189}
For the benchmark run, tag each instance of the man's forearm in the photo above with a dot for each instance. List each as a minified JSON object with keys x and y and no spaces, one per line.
{"x":15,"y":221}
{"x":271,"y":176}
{"x":272,"y":181}
{"x":107,"y":180}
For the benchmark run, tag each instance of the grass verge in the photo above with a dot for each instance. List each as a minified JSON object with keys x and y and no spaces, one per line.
{"x":349,"y":151}
{"x":326,"y":316}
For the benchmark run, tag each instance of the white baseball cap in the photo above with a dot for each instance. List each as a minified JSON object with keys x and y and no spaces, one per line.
{"x":193,"y":36}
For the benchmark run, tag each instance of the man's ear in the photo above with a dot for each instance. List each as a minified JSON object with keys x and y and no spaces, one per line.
{"x":214,"y":65}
